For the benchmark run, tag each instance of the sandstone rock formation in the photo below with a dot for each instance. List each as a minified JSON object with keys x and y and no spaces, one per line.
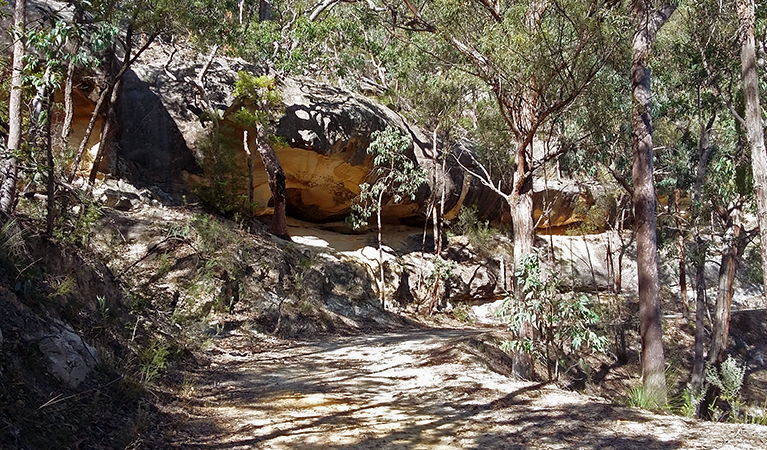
{"x":321,"y":141}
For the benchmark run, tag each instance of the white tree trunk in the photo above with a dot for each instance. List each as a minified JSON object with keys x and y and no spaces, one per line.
{"x":746,"y":17}
{"x":9,"y":165}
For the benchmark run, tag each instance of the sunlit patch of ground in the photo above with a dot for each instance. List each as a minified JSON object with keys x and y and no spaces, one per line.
{"x":409,"y":390}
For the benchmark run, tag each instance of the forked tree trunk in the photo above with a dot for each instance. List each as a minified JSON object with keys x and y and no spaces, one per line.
{"x":753,"y":117}
{"x":735,"y":244}
{"x":10,"y":166}
{"x":279,"y":224}
{"x":648,"y":23}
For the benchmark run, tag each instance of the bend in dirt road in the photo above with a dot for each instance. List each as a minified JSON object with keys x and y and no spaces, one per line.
{"x":415,"y":389}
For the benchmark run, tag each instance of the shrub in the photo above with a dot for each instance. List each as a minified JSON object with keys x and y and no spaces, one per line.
{"x":550,"y":326}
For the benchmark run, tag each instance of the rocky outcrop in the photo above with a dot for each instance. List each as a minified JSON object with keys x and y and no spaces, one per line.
{"x":62,"y":351}
{"x":67,"y":356}
{"x":320,"y":140}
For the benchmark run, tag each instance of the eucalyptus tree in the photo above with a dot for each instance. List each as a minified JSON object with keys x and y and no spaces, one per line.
{"x":9,"y":165}
{"x":648,"y":21}
{"x":58,"y":49}
{"x":260,"y":101}
{"x":394,"y":176}
{"x":689,"y":126}
{"x":536,"y":58}
{"x":746,"y":11}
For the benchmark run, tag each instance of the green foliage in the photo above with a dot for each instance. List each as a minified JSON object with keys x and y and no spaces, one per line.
{"x":753,"y":264}
{"x":77,"y":230}
{"x":552,"y":327}
{"x":442,"y":271}
{"x":64,"y":287}
{"x":690,"y":402}
{"x":212,"y":235}
{"x":261,"y":100}
{"x":11,"y":240}
{"x":481,"y":235}
{"x":729,"y":380}
{"x":640,"y":397}
{"x":462,"y":312}
{"x":224,"y":190}
{"x":396,"y":175}
{"x":103,"y":308}
{"x":153,"y":360}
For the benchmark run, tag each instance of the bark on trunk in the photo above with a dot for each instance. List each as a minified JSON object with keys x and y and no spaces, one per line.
{"x":381,"y":289}
{"x":109,"y":135}
{"x":521,"y":205}
{"x":69,"y":109}
{"x":717,"y":352}
{"x":279,"y":224}
{"x":753,"y":117}
{"x":698,"y":373}
{"x":40,"y":136}
{"x":653,"y":362}
{"x":682,"y":256}
{"x":435,"y":215}
{"x":704,"y":152}
{"x":10,"y":166}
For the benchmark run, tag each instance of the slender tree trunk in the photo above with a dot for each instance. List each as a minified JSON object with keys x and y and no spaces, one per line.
{"x":704,"y":151}
{"x":69,"y":109}
{"x":279,"y":223}
{"x":51,"y":182}
{"x":653,"y":362}
{"x":753,"y":116}
{"x":106,"y":94}
{"x":88,"y":131}
{"x":435,"y":215}
{"x":381,"y":288}
{"x":721,"y":324}
{"x":618,"y":281}
{"x":40,"y":136}
{"x":251,"y":168}
{"x":109,"y":134}
{"x":442,"y":188}
{"x":698,"y":374}
{"x":682,"y":256}
{"x":9,"y":165}
{"x":521,"y":202}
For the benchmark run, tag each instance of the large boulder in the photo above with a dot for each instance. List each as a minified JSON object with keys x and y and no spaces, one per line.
{"x":321,"y":140}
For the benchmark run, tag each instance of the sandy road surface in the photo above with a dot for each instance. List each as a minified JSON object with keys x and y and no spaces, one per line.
{"x":419,"y":389}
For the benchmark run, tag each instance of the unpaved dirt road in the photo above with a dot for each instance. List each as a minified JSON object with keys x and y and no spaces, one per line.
{"x":415,"y":389}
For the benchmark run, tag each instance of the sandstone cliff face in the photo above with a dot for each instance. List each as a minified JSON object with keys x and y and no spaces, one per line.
{"x":322,"y":139}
